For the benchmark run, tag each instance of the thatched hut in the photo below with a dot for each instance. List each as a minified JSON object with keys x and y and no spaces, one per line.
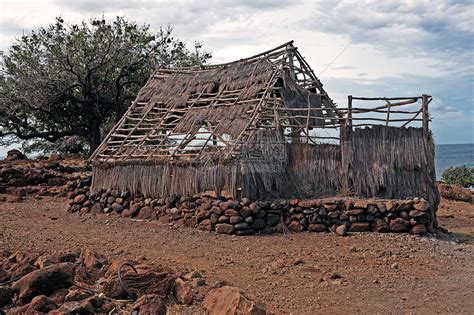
{"x":253,"y":128}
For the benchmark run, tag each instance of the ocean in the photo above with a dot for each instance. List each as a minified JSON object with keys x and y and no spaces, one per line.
{"x":449,"y":155}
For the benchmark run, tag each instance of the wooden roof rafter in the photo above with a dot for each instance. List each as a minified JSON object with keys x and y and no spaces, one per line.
{"x":173,"y":106}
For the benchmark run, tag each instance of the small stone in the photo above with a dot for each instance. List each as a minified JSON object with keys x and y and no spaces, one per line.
{"x":334,"y":214}
{"x":359,"y":227}
{"x":245,"y":232}
{"x":205,"y":225}
{"x":145,"y":213}
{"x":360,"y":204}
{"x":96,"y":208}
{"x":423,"y":205}
{"x":202,"y":215}
{"x":382,"y":207}
{"x":405,"y":205}
{"x":230,"y":300}
{"x":404,"y":215}
{"x":311,"y":203}
{"x":245,"y":212}
{"x":391,"y":205}
{"x":317,"y":227}
{"x":232,"y":213}
{"x":224,"y":228}
{"x":117,"y":207}
{"x":399,"y":225}
{"x":135,"y":208}
{"x":418,"y":229}
{"x":341,"y":230}
{"x":295,"y":226}
{"x":355,"y":212}
{"x":214,"y":218}
{"x":110,"y":200}
{"x":224,"y":219}
{"x":183,"y":292}
{"x":394,"y":266}
{"x":217,"y":210}
{"x":236,"y":219}
{"x":417,"y":214}
{"x":80,"y":198}
{"x":241,"y":226}
{"x":84,"y":210}
{"x":380,"y":226}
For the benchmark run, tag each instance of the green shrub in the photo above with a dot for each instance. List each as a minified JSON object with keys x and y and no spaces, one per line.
{"x":461,"y":175}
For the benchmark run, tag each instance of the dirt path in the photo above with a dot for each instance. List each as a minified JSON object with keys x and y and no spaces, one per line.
{"x":304,"y":273}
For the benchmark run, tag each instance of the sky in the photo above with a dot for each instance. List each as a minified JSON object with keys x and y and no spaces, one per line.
{"x":360,"y":48}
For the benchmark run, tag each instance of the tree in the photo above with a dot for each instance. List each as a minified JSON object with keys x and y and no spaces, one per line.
{"x":77,"y":80}
{"x":461,"y":175}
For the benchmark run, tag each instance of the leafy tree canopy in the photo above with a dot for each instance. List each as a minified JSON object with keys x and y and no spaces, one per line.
{"x":461,"y":175}
{"x":76,"y":80}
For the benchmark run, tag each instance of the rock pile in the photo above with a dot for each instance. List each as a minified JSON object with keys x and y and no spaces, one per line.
{"x":86,"y":282}
{"x":15,"y":154}
{"x":455,"y":192}
{"x":227,"y":216}
{"x":20,"y":176}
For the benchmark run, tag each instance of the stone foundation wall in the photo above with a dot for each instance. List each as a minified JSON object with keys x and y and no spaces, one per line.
{"x":247,"y":217}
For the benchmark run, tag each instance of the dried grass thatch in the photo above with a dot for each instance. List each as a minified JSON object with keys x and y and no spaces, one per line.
{"x":176,"y":89}
{"x":383,"y":162}
{"x":390,"y":162}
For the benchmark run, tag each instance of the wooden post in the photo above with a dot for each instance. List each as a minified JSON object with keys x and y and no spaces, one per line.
{"x":388,"y":112}
{"x":426,"y":114}
{"x":349,"y":111}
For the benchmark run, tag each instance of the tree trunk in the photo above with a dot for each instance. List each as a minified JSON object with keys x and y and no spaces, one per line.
{"x":94,"y":138}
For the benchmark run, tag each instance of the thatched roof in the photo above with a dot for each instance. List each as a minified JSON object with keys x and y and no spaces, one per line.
{"x":200,"y":113}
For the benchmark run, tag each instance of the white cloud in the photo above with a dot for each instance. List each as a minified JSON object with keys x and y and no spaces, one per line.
{"x":388,"y":47}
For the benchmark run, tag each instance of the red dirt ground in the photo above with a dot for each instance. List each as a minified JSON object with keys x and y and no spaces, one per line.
{"x":303,"y":273}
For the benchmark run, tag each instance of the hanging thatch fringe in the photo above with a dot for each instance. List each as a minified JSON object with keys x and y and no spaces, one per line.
{"x":390,"y":162}
{"x":383,"y":162}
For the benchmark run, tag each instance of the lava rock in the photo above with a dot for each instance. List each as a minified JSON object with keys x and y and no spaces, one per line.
{"x":399,"y":225}
{"x":183,"y":292}
{"x":45,"y":281}
{"x":317,"y":227}
{"x":224,"y":228}
{"x":341,"y":230}
{"x":380,"y":226}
